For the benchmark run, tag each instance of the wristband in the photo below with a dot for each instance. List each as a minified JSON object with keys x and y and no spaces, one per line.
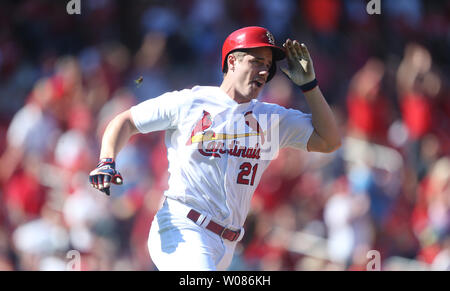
{"x":309,"y":86}
{"x":106,"y":161}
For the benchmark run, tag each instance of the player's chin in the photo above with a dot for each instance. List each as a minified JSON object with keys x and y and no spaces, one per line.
{"x":252,"y":95}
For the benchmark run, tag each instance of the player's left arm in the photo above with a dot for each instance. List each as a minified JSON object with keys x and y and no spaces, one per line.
{"x":325,"y":137}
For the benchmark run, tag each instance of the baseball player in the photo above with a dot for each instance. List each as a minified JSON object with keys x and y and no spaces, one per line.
{"x":219,"y":142}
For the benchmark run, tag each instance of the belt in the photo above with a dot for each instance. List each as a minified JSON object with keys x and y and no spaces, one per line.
{"x":218,"y":229}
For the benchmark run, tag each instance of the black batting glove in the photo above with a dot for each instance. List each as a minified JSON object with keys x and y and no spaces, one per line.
{"x":104,"y":174}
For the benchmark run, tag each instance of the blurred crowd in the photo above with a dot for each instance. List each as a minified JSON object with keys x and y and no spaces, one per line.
{"x":64,"y":77}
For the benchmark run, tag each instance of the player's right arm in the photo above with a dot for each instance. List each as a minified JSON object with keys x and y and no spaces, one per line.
{"x":160,"y":113}
{"x":116,"y":136}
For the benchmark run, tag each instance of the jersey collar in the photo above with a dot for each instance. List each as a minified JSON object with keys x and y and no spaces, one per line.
{"x":227,"y":99}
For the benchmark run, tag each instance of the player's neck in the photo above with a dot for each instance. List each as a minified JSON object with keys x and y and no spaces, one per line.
{"x":234,"y":94}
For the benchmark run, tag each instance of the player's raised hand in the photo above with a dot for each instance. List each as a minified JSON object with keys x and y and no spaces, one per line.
{"x":300,"y":66}
{"x":105,"y":174}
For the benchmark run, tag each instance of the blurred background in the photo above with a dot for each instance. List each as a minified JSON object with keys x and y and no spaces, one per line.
{"x":64,"y":77}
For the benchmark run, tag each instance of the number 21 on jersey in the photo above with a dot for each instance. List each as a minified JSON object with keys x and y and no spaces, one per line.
{"x":247,"y":170}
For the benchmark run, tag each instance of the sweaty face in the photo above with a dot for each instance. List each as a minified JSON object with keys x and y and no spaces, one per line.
{"x":251,"y":72}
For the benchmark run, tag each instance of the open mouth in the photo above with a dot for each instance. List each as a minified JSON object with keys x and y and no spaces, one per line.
{"x":259,"y":84}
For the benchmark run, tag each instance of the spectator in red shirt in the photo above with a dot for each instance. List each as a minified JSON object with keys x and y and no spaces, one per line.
{"x":369,"y":112}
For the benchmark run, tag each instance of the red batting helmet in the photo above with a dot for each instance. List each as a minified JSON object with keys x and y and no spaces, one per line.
{"x":252,"y":37}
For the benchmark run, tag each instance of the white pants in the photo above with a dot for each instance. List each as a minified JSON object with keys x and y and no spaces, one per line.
{"x":176,"y":243}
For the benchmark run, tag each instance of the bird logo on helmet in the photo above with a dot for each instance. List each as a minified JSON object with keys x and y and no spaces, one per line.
{"x":270,"y":38}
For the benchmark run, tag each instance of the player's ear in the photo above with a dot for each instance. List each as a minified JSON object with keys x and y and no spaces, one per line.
{"x":231,"y":61}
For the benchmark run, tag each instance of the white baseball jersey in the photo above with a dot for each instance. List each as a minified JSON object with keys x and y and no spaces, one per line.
{"x":218,"y":149}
